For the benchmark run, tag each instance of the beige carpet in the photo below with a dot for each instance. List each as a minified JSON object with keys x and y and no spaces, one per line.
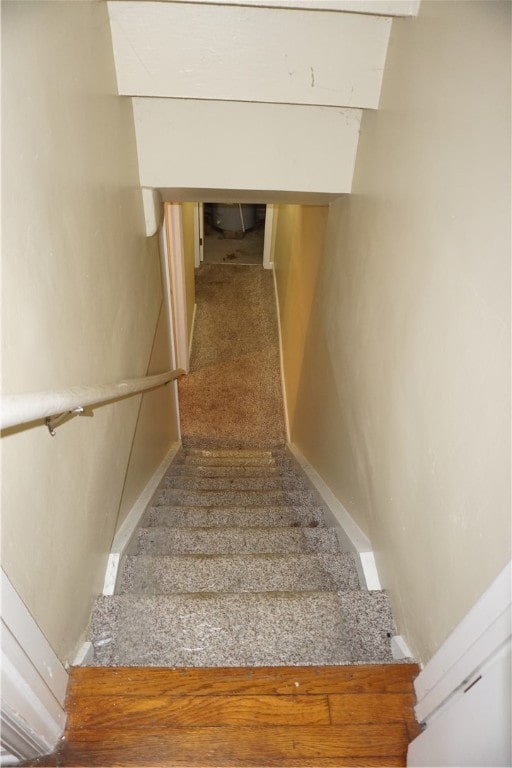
{"x":221,"y":250}
{"x":232,"y":395}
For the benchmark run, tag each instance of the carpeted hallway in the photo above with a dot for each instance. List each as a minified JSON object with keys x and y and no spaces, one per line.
{"x":232,"y":395}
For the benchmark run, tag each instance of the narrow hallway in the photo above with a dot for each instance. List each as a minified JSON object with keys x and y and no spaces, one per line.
{"x":232,"y":395}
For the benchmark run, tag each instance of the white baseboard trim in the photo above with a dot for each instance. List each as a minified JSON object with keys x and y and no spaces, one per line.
{"x":480,"y":634}
{"x":399,"y":648}
{"x":129,"y":526}
{"x":351,"y":535}
{"x":84,"y":656}
{"x":281,"y":360}
{"x":191,"y":334}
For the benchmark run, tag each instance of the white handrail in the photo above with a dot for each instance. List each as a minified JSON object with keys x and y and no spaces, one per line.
{"x":22,"y":409}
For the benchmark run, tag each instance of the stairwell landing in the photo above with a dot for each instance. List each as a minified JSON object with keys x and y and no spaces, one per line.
{"x":234,"y":563}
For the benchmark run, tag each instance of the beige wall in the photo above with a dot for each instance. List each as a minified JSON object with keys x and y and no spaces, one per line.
{"x":298,"y":249}
{"x":154,"y":435}
{"x":404,"y":400}
{"x":189,"y":212}
{"x":80,"y":304}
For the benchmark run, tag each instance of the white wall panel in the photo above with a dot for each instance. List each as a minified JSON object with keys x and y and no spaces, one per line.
{"x":203,"y":51}
{"x":233,"y":145}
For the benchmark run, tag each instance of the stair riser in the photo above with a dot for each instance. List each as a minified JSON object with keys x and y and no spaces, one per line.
{"x":239,"y":573}
{"x":183,"y":517}
{"x":165,"y":541}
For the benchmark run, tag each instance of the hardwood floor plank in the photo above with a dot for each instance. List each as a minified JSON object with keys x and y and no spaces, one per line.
{"x":298,"y":717}
{"x":270,"y":742}
{"x":138,"y":681}
{"x":79,"y":759}
{"x":371,"y":707}
{"x":129,"y":712}
{"x":207,"y":746}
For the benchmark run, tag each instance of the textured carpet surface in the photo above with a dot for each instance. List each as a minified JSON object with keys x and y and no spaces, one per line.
{"x":232,"y":395}
{"x":216,"y":580}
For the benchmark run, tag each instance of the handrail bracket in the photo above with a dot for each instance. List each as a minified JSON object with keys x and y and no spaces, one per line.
{"x":53,"y":421}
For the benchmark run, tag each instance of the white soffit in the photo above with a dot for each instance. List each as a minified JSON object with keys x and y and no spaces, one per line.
{"x":202,"y":194}
{"x":374,"y":7}
{"x":244,"y":53}
{"x":184,"y":143}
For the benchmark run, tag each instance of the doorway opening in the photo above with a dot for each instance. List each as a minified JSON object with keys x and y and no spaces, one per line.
{"x":234,"y":233}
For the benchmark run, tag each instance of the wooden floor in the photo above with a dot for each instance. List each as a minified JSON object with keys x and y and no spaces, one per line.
{"x":273,"y":716}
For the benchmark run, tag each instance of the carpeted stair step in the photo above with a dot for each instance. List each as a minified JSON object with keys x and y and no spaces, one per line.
{"x":229,"y":461}
{"x":167,"y":541}
{"x":269,"y":629}
{"x":250,"y":498}
{"x":245,"y":517}
{"x":223,"y":453}
{"x":181,"y":482}
{"x":146,"y":575}
{"x":228,"y":470}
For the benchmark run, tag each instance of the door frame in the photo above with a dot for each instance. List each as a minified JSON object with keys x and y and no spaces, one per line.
{"x":268,"y":249}
{"x":34,"y":682}
{"x":457,"y":681}
{"x":268,"y":244}
{"x":198,"y":233}
{"x":175,"y":258}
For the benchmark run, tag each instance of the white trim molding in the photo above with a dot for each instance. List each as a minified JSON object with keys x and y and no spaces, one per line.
{"x":173,"y":216}
{"x":464,"y":691}
{"x":34,"y":681}
{"x":281,"y":360}
{"x":270,"y":215}
{"x":129,"y":525}
{"x":191,"y":335}
{"x":349,"y":533}
{"x":480,"y":634}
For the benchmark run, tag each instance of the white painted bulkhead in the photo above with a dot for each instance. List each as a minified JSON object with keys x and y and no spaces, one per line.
{"x":233,"y":53}
{"x":269,"y":98}
{"x":292,"y":147}
{"x":376,"y":7}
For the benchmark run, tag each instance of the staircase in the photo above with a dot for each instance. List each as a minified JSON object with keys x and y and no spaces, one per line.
{"x":235,"y":565}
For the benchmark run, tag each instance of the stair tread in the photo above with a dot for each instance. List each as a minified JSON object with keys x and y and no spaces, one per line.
{"x":228,"y":470}
{"x":229,"y":452}
{"x":183,"y":482}
{"x":255,"y":629}
{"x":229,"y":461}
{"x":230,"y":498}
{"x":234,"y":516}
{"x":144,"y":574}
{"x":164,"y":540}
